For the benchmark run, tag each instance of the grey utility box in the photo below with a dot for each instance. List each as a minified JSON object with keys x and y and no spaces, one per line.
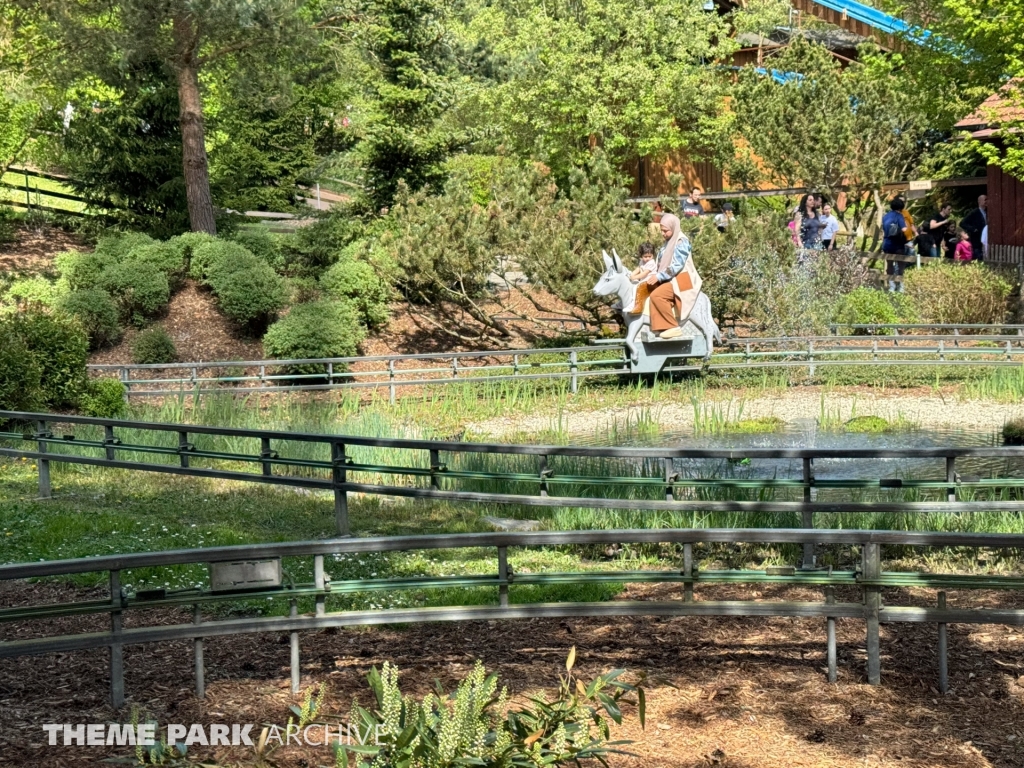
{"x":242,"y":575}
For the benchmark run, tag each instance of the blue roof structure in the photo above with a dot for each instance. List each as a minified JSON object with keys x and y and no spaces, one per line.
{"x":877,"y":19}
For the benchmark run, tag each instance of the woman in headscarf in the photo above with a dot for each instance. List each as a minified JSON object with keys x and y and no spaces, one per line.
{"x":676,"y":284}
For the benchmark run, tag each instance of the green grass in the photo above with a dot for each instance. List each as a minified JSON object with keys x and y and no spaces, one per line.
{"x":38,"y":194}
{"x":103,"y":511}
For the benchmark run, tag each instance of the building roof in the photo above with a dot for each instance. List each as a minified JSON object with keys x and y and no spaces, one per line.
{"x":1004,"y":106}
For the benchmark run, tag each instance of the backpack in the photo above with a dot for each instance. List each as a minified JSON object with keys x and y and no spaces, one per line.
{"x":893,"y":225}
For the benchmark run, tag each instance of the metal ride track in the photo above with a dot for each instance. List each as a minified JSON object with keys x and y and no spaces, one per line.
{"x":953,"y":346}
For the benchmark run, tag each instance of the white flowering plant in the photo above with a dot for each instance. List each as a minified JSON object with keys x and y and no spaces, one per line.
{"x":478,"y":725}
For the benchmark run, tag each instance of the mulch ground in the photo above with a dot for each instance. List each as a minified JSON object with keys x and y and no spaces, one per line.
{"x":728,"y":692}
{"x":32,"y":252}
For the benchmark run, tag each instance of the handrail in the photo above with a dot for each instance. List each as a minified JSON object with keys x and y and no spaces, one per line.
{"x":607,"y":358}
{"x":444,"y":471}
{"x":869,"y":577}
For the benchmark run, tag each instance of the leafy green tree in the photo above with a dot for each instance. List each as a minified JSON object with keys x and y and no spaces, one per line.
{"x":827,"y":126}
{"x":632,"y":77}
{"x":20,"y":100}
{"x":977,"y":45}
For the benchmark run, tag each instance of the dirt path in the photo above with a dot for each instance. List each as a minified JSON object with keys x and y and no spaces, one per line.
{"x":729,"y":692}
{"x":794,"y":405}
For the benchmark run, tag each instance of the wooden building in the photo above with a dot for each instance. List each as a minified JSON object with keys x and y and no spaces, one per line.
{"x":1005,"y":192}
{"x":651,"y":177}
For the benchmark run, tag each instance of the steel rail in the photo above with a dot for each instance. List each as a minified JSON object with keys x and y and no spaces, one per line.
{"x":869,"y":578}
{"x":751,"y":353}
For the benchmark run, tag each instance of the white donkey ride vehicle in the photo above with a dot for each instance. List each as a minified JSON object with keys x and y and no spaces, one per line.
{"x":648,"y":353}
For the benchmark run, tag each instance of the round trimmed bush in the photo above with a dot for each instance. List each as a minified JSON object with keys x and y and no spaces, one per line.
{"x":61,"y":348}
{"x":165,"y":257}
{"x":319,"y":329}
{"x":82,"y":270}
{"x":118,"y":246}
{"x":187,"y":242}
{"x":97,"y":313}
{"x":866,"y":306}
{"x":36,"y":290}
{"x":20,"y":373}
{"x":263,"y":245}
{"x":104,"y":399}
{"x":958,"y":293}
{"x":359,"y":283}
{"x":216,"y":255}
{"x":140,"y":290}
{"x":154,"y":345}
{"x":251,"y":296}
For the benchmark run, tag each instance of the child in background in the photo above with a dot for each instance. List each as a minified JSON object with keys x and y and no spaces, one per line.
{"x":963,"y":252}
{"x":648,"y":264}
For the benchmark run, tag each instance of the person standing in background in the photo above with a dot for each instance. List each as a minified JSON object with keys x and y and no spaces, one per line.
{"x":691,"y":205}
{"x":964,"y":249}
{"x":933,"y":230}
{"x":894,"y":243}
{"x":725,"y":218}
{"x":909,"y":231}
{"x":973,"y":224}
{"x":831,"y":229}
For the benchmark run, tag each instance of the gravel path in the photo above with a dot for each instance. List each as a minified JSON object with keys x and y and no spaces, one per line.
{"x":923,"y":409}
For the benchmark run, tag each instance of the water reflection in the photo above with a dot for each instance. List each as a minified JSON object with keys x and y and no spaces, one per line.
{"x":805,"y":434}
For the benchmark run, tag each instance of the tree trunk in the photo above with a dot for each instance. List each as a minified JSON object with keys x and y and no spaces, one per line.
{"x":193,"y":134}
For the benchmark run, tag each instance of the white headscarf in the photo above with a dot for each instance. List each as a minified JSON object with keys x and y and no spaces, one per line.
{"x":671,"y":221}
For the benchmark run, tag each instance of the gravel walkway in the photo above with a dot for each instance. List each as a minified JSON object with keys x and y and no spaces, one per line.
{"x":923,"y":409}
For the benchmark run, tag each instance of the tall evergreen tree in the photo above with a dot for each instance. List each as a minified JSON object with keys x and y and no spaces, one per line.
{"x":186,"y":37}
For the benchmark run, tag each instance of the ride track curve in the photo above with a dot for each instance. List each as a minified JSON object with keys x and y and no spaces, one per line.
{"x":881,"y":345}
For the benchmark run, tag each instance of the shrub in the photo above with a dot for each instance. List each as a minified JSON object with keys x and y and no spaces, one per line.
{"x":251,"y":296}
{"x":96,"y":312}
{"x":36,"y":290}
{"x":958,"y":293}
{"x":8,"y":224}
{"x":117,"y":247}
{"x":60,"y":348}
{"x":207,"y":255}
{"x":20,"y":372}
{"x":140,"y":290}
{"x":104,"y":399}
{"x":868,"y":306}
{"x":320,"y":329}
{"x":165,"y":257}
{"x":359,"y":283}
{"x":152,"y":346}
{"x":263,"y":245}
{"x":1013,"y":432}
{"x":478,"y":725}
{"x":82,"y":270}
{"x":187,"y":243}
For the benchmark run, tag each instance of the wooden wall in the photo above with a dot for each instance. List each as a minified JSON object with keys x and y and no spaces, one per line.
{"x":651,"y":178}
{"x":1005,"y":209}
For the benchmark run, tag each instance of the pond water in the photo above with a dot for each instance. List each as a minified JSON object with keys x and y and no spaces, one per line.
{"x":806,"y":434}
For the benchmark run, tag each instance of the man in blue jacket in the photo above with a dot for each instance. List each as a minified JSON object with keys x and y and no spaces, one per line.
{"x":894,"y":243}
